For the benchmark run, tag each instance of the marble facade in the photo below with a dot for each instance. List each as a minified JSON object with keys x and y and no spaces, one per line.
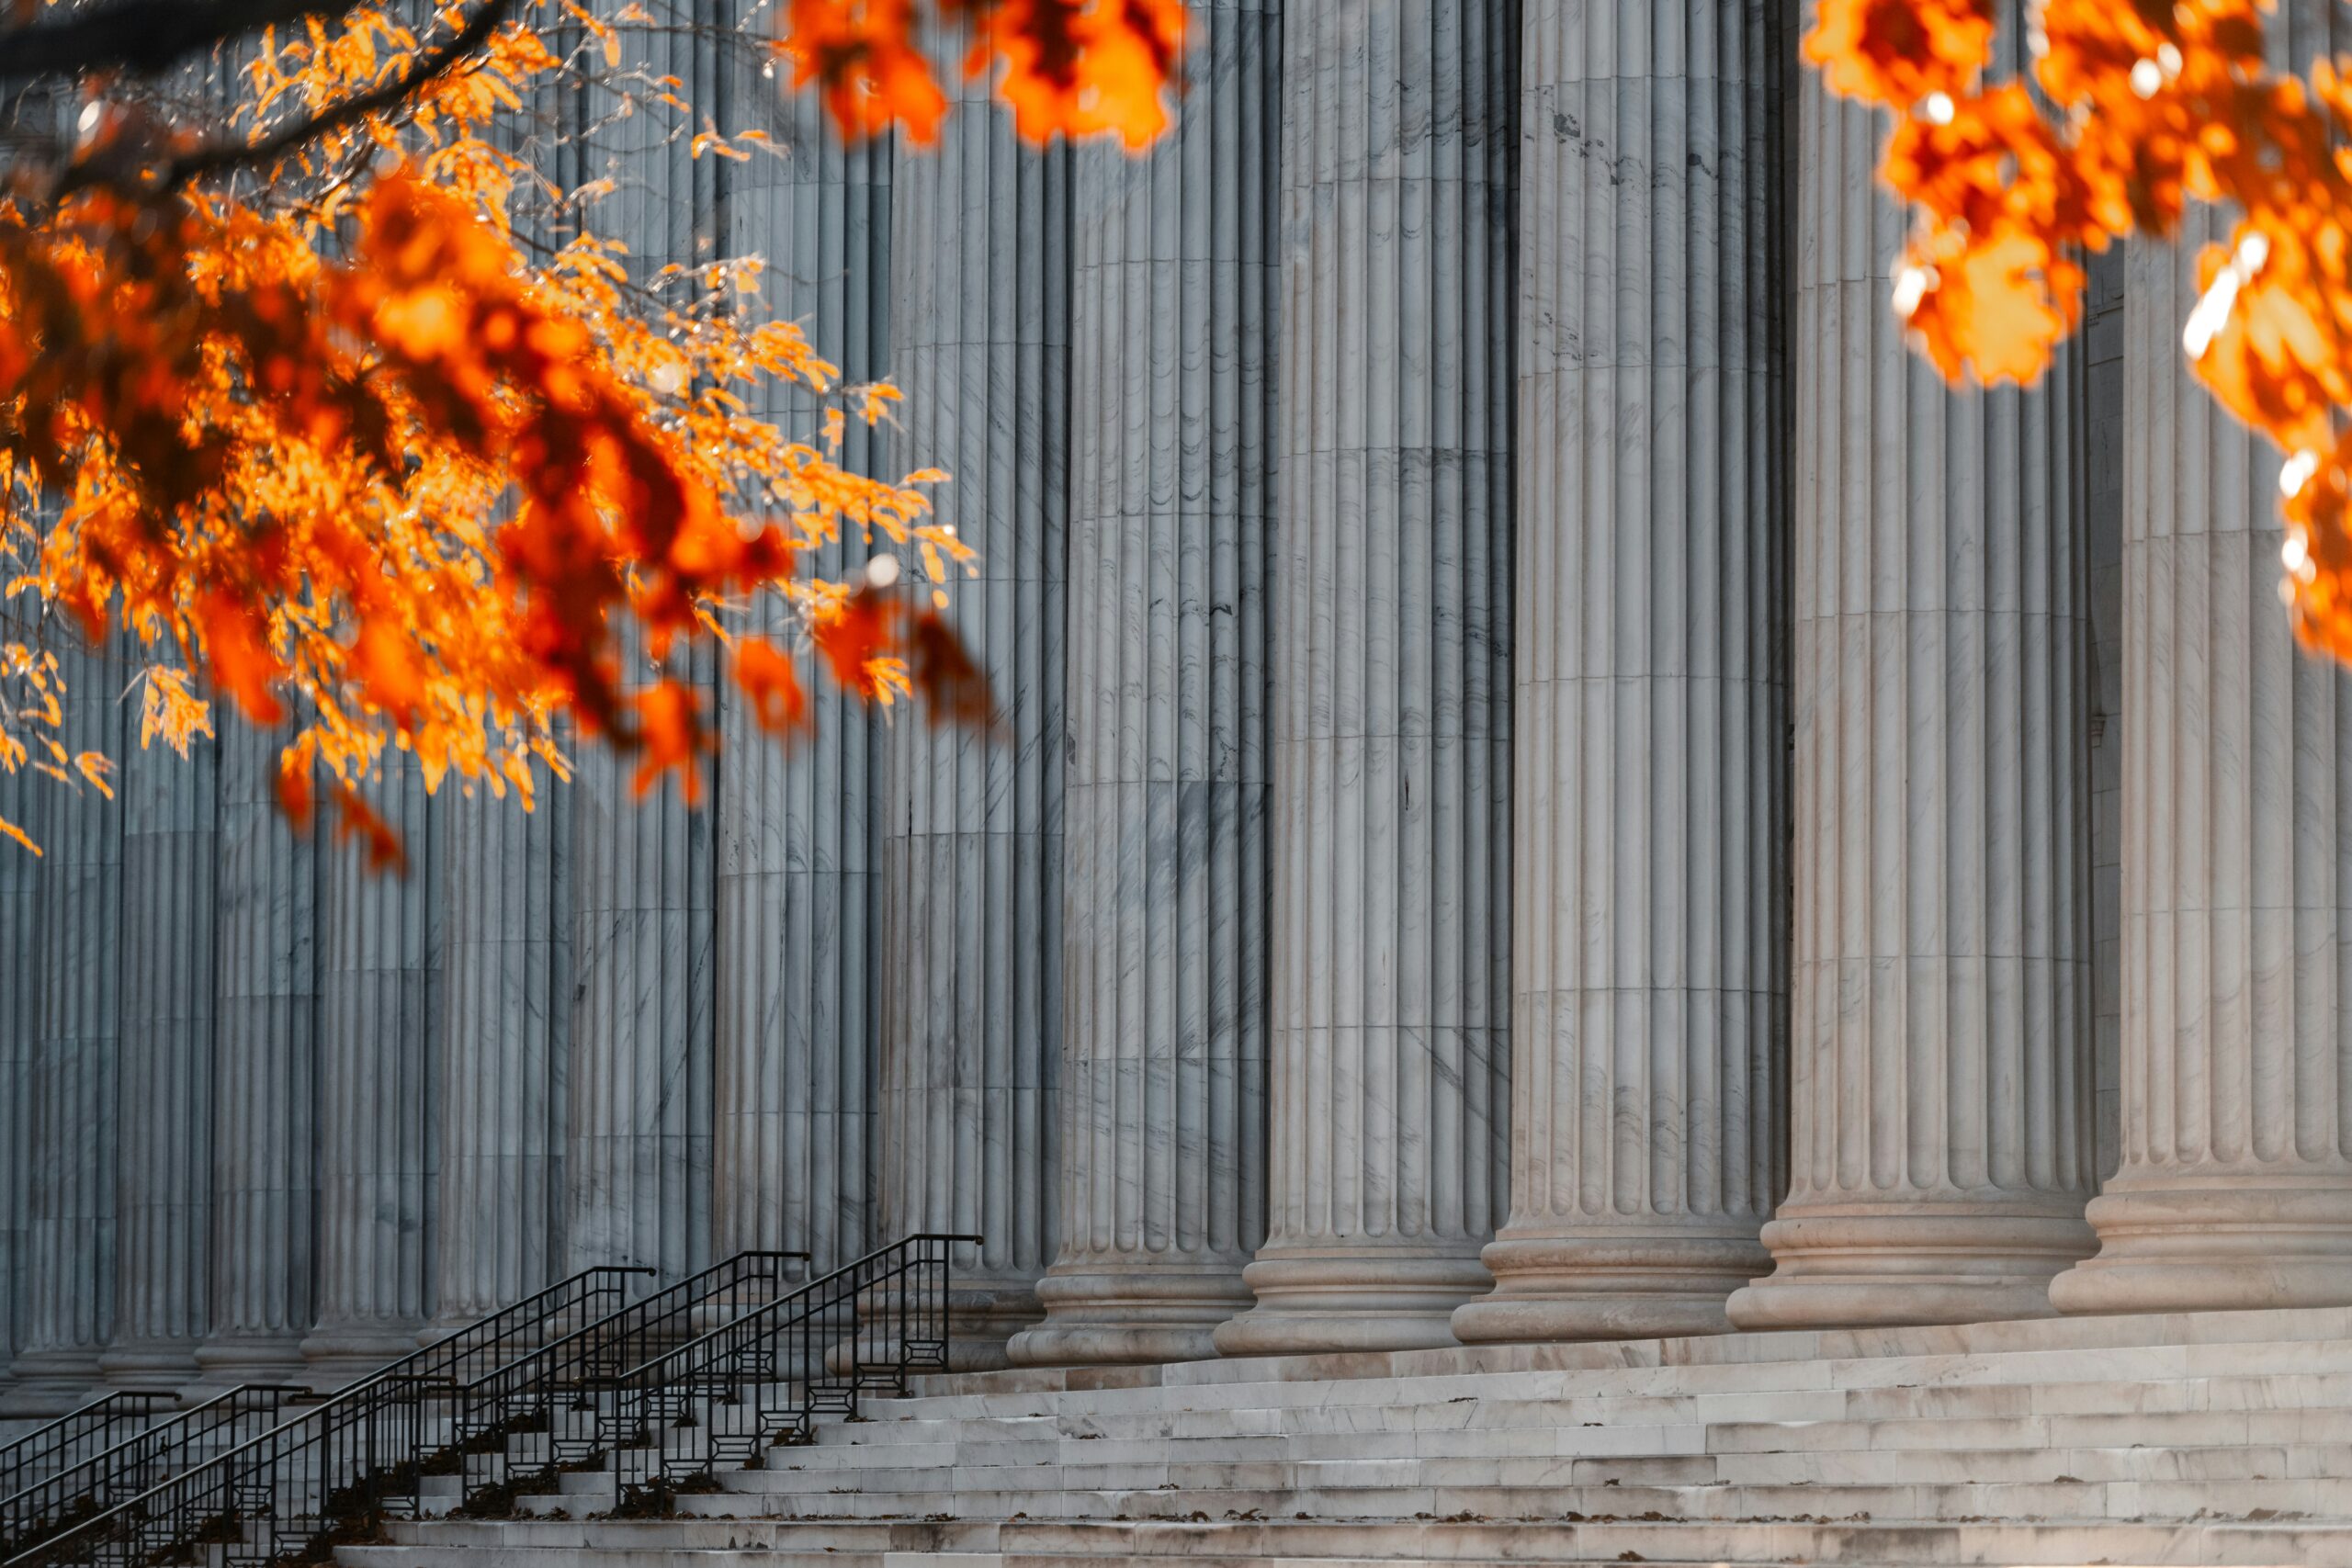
{"x":1549,"y":783}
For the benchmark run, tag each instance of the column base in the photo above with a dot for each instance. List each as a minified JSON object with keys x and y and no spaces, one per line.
{"x":1605,"y":1282}
{"x":1861,"y":1266}
{"x":1107,"y":1310}
{"x":254,"y":1357}
{"x":339,"y":1355}
{"x":2222,"y":1243}
{"x":151,"y":1363}
{"x":51,"y":1382}
{"x":1353,"y":1299}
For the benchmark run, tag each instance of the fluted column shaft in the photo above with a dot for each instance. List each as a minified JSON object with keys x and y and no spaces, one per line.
{"x":2235,"y":1187}
{"x":377,"y":1011}
{"x":20,"y":1000}
{"x":72,"y":1219}
{"x":1940,"y":1145}
{"x":265,"y":1083}
{"x":1391,"y":623}
{"x":165,"y":1174}
{"x":1163,"y":1091}
{"x":1650,"y":790}
{"x":637,"y":1166}
{"x":797,"y":1073}
{"x":972,"y":838}
{"x":505,"y":997}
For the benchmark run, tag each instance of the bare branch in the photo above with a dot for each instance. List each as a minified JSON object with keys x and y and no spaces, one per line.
{"x":225,"y":156}
{"x":144,"y":36}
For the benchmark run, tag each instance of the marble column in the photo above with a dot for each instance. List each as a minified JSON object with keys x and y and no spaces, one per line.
{"x":1163,"y":1088}
{"x":1391,"y":625}
{"x":376,"y":1042}
{"x":505,"y":997}
{"x":794,"y":1153}
{"x":638,"y":1162}
{"x":1650,"y":790}
{"x":971,"y":842}
{"x":171,"y":848}
{"x":1941,"y":1147}
{"x":2236,"y":1186}
{"x":265,"y":1028}
{"x":71,"y":1218}
{"x":637,"y":1167}
{"x":21,"y":795}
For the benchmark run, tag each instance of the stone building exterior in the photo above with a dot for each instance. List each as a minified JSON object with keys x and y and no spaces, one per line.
{"x":1553,"y":784}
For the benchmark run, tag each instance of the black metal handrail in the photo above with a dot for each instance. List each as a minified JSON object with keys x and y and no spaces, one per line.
{"x":332,"y":1471}
{"x":535,"y":1393}
{"x":763,"y":1379}
{"x":31,"y":1516}
{"x":76,"y":1435}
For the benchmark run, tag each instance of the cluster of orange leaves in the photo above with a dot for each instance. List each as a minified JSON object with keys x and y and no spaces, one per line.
{"x":2142,"y":107}
{"x":364,"y":465}
{"x":1071,"y":68}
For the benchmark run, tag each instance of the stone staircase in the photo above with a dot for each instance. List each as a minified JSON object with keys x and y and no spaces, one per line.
{"x":2217,"y":1439}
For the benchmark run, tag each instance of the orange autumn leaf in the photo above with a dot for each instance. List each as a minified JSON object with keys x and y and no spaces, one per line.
{"x":862,"y":55}
{"x":669,"y":721}
{"x":356,"y":819}
{"x":295,"y":798}
{"x":2141,"y":110}
{"x":778,"y":704}
{"x":1898,"y":52}
{"x":332,"y":440}
{"x":853,"y":634}
{"x":1067,"y":68}
{"x":237,"y":636}
{"x":953,"y":686}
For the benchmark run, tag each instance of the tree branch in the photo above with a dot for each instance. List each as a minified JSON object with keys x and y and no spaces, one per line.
{"x":224,"y":155}
{"x":145,"y":36}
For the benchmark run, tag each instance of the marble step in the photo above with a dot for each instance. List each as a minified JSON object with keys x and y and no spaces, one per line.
{"x":1017,"y":1544}
{"x":1376,"y":1497}
{"x":2004,"y":1399}
{"x":1800,"y":1467}
{"x":2279,"y":1326}
{"x":2329,"y":1360}
{"x":2274,"y":1428}
{"x":2285,"y":1421}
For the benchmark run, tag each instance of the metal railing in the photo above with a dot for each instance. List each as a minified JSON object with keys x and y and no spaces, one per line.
{"x":75,"y":1436}
{"x":562,"y":1390}
{"x":333,"y":1471}
{"x":729,"y":1395}
{"x":80,"y":1491}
